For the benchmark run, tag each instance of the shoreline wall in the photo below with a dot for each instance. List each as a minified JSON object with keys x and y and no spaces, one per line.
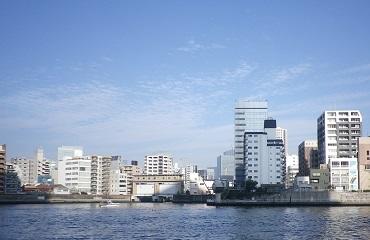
{"x":312,"y":198}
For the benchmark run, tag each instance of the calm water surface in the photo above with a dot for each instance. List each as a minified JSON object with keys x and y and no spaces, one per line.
{"x":171,"y":221}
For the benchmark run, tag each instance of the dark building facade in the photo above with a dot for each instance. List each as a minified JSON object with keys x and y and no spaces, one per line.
{"x":307,"y":157}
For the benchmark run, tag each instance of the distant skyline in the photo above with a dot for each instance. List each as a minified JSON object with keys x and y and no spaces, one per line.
{"x":133,"y":78}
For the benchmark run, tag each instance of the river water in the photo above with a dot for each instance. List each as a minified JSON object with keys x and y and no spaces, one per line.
{"x":174,"y":221}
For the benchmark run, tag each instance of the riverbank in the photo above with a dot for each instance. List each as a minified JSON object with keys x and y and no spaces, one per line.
{"x":41,"y":198}
{"x":322,"y":198}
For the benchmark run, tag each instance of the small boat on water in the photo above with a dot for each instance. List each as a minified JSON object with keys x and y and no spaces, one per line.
{"x":108,"y":204}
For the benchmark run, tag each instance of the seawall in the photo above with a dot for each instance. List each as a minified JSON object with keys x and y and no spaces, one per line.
{"x":322,"y":198}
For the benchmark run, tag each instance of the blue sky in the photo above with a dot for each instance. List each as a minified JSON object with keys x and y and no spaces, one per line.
{"x":132,"y":78}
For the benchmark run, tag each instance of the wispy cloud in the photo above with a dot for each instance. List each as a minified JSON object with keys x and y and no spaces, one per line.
{"x":282,"y":80}
{"x":169,"y":114}
{"x":356,"y":69}
{"x":175,"y":113}
{"x":192,"y":46}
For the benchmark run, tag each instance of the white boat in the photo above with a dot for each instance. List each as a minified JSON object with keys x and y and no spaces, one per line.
{"x":108,"y":204}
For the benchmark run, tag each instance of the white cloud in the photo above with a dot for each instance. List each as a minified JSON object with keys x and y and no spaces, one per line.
{"x":191,"y":46}
{"x":282,"y":81}
{"x":112,"y":119}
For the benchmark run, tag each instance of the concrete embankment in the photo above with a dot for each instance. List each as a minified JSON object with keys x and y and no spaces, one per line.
{"x":191,"y":198}
{"x":57,"y":198}
{"x":322,"y":198}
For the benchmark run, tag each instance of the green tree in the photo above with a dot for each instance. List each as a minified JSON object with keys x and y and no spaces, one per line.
{"x":250,"y":185}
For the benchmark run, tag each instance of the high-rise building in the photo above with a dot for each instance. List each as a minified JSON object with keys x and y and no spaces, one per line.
{"x":158,"y":164}
{"x":64,"y":153}
{"x":2,"y":167}
{"x":364,"y":163}
{"x":292,"y":169}
{"x":77,"y":174}
{"x":337,"y":134}
{"x":187,"y":172}
{"x":249,"y":116}
{"x":282,"y":133}
{"x":28,"y":168}
{"x":264,"y":155}
{"x":100,"y":174}
{"x":307,"y":157}
{"x":226,"y":166}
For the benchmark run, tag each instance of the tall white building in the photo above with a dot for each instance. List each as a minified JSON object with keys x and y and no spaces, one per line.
{"x":337,"y":134}
{"x":226,"y":165}
{"x":100,"y":173}
{"x":187,"y":172}
{"x":249,"y":116}
{"x":64,"y":153}
{"x":78,"y":174}
{"x":282,"y":133}
{"x":292,"y":169}
{"x":265,"y":155}
{"x":158,"y":164}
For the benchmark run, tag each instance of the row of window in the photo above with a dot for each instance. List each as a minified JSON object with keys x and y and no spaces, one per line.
{"x":332,"y":114}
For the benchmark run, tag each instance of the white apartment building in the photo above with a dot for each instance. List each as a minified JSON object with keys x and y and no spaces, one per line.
{"x":344,"y":174}
{"x":186,"y":172}
{"x":27,"y":168}
{"x":64,"y":153}
{"x":282,"y":133}
{"x":265,"y":155}
{"x":292,"y":169}
{"x":249,"y":116}
{"x":78,"y":174}
{"x":118,"y":182}
{"x":337,"y":134}
{"x":100,"y":171}
{"x":43,"y":165}
{"x":158,"y":164}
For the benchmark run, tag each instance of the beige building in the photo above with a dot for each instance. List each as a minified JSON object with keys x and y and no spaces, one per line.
{"x":28,"y":169}
{"x":364,"y":163}
{"x":130,"y":171}
{"x":118,"y":182}
{"x":2,"y":167}
{"x":158,"y":185}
